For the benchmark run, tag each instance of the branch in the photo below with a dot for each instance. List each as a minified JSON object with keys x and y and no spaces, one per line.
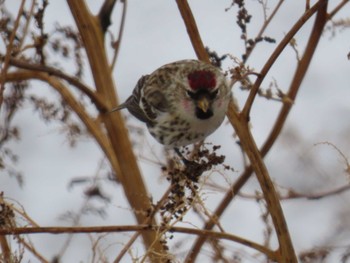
{"x":296,"y":195}
{"x":141,"y":228}
{"x":90,"y":124}
{"x":116,"y":44}
{"x":5,"y":249}
{"x":286,"y":250}
{"x":8,"y":52}
{"x":263,"y":28}
{"x":94,"y":97}
{"x":148,"y":221}
{"x":31,"y":249}
{"x":105,"y":14}
{"x":192,"y":30}
{"x":275,"y":132}
{"x":24,"y":34}
{"x":285,"y":41}
{"x":128,"y":173}
{"x":337,"y":8}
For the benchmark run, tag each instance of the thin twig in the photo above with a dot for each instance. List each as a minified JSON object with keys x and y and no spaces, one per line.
{"x":286,"y":251}
{"x":25,"y":30}
{"x":192,"y":30}
{"x":337,"y":8}
{"x":117,"y":43}
{"x":292,"y":194}
{"x":147,"y":221}
{"x":8,"y":52}
{"x":263,"y":28}
{"x":93,"y":96}
{"x":269,"y":142}
{"x":105,"y":14}
{"x":142,"y":228}
{"x":91,"y":125}
{"x":32,"y":249}
{"x":285,"y":41}
{"x":127,"y":170}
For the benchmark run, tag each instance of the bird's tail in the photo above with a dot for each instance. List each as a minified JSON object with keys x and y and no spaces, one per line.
{"x":120,"y":107}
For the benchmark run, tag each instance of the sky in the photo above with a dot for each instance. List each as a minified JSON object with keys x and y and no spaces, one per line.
{"x":155,"y":35}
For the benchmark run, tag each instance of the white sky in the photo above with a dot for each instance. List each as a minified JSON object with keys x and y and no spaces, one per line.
{"x":155,"y":35}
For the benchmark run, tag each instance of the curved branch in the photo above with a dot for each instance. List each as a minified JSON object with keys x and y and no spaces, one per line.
{"x":140,"y":228}
{"x":285,"y":41}
{"x":5,"y":249}
{"x":337,"y":8}
{"x":276,"y":130}
{"x":9,"y":50}
{"x":26,"y":27}
{"x":263,"y":28}
{"x":105,"y":14}
{"x":91,"y":125}
{"x":286,"y":250}
{"x":192,"y":30}
{"x":116,"y":44}
{"x":94,"y":97}
{"x":129,"y":173}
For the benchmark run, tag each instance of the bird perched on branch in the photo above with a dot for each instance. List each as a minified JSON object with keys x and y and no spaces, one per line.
{"x":181,"y":103}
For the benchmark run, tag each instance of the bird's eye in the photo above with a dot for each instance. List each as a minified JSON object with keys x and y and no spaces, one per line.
{"x":191,"y":94}
{"x":214,"y":94}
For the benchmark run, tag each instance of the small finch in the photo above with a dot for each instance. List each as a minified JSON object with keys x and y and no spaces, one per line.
{"x":181,"y":103}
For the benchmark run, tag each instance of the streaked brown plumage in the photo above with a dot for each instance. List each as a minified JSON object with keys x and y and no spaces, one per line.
{"x":181,"y":103}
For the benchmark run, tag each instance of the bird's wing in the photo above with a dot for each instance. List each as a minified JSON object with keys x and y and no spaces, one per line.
{"x":133,"y":103}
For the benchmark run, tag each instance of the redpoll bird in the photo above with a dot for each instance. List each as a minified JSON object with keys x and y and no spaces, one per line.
{"x":181,"y":102}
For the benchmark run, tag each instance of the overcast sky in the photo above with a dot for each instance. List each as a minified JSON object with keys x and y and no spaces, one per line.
{"x":155,"y":35}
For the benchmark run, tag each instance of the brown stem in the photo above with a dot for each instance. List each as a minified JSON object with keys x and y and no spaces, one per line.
{"x":105,"y":14}
{"x":26,"y":27}
{"x":129,"y":174}
{"x":5,"y":249}
{"x":286,"y":250}
{"x":32,"y":250}
{"x":8,"y":52}
{"x":116,"y":44}
{"x":275,"y":132}
{"x":141,"y":228}
{"x":128,"y":245}
{"x":263,"y":28}
{"x":90,"y":124}
{"x":192,"y":30}
{"x":337,"y":8}
{"x":285,"y":41}
{"x":93,"y":96}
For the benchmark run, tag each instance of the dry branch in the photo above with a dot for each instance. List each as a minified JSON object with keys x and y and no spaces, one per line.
{"x":133,"y":228}
{"x":129,"y":174}
{"x":92,"y":126}
{"x":93,"y":96}
{"x":240,"y":122}
{"x":281,"y":46}
{"x":5,"y":65}
{"x":276,"y":130}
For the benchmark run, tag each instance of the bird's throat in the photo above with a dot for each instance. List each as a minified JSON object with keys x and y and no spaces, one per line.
{"x":200,"y":114}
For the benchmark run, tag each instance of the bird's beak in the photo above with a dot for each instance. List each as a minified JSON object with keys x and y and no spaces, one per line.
{"x":203,"y":104}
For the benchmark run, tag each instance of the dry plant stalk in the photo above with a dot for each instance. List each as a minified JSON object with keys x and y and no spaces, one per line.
{"x":115,"y":143}
{"x":117,"y":147}
{"x":240,"y":121}
{"x":127,"y":170}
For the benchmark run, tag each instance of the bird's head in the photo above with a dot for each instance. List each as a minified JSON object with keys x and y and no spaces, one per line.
{"x":202,"y":90}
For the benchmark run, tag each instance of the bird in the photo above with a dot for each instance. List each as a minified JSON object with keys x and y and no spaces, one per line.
{"x":181,"y":103}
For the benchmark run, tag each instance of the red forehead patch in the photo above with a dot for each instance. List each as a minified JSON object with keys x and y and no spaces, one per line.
{"x":201,"y":79}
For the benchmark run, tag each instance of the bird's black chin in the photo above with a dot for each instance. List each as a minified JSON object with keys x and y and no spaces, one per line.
{"x":200,"y":114}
